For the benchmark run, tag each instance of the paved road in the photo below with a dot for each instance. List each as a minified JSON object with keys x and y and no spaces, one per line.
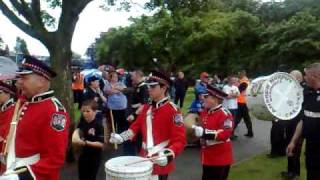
{"x":188,"y":163}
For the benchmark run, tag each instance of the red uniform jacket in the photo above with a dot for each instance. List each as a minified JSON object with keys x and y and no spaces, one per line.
{"x":43,"y":129}
{"x":6,"y":112}
{"x":218,"y":152}
{"x":167,"y":124}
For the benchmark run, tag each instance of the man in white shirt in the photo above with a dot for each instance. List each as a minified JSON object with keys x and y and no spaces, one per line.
{"x":230,"y":102}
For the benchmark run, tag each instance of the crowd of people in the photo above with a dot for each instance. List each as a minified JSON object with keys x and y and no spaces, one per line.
{"x":135,"y":111}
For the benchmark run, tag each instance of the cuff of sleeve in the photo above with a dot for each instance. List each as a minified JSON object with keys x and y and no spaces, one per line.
{"x":126,"y":135}
{"x":171,"y":156}
{"x":210,"y":134}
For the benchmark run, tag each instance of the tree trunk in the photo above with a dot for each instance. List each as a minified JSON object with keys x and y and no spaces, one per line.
{"x":60,"y":57}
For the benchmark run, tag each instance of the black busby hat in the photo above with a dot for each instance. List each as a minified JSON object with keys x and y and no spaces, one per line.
{"x":7,"y":88}
{"x":214,"y":91}
{"x":31,"y":64}
{"x":159,"y":77}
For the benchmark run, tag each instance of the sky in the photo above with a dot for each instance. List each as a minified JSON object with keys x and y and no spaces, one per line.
{"x":93,"y":20}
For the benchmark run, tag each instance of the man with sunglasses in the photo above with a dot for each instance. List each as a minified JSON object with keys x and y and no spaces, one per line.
{"x":7,"y":95}
{"x":214,"y":133}
{"x":161,"y":126}
{"x":309,"y":126}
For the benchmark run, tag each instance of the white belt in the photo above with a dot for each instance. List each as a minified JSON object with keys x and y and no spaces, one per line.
{"x":312,"y":114}
{"x":213,"y":142}
{"x":155,"y":149}
{"x":154,"y":177}
{"x":27,"y":161}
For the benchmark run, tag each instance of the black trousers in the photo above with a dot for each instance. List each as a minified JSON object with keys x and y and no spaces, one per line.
{"x":293,"y":161}
{"x":313,"y":160}
{"x":243,"y":112}
{"x":215,"y":172}
{"x":77,"y":96}
{"x":88,"y":166}
{"x":163,"y":177}
{"x":278,"y":140}
{"x":179,"y":98}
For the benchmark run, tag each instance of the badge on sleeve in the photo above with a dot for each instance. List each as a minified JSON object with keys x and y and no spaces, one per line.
{"x":178,"y":119}
{"x":227,"y":124}
{"x":58,"y":122}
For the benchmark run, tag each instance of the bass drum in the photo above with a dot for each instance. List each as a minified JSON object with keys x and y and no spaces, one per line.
{"x":276,"y":96}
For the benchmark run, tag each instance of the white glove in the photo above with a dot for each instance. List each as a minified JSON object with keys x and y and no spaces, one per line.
{"x":10,"y":177}
{"x":162,"y":160}
{"x":198,"y":131}
{"x":115,"y":139}
{"x":130,"y":118}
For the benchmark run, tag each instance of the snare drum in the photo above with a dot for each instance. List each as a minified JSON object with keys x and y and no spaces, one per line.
{"x":125,"y":168}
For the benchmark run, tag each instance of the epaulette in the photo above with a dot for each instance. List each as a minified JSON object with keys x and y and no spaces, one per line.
{"x":7,"y":104}
{"x":226,"y":111}
{"x":175,"y":107}
{"x":59,"y":106}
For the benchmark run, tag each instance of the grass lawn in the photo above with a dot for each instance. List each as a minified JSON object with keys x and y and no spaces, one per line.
{"x":188,"y":99}
{"x":262,"y":168}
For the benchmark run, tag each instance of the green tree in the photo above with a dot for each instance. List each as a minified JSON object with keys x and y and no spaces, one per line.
{"x":21,"y":46}
{"x":292,"y":43}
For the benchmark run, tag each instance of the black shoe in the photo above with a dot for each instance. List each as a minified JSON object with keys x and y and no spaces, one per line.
{"x":233,"y":137}
{"x":288,"y":175}
{"x":249,"y":135}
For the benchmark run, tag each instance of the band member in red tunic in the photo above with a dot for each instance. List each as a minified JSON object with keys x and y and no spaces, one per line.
{"x":37,"y":148}
{"x":161,"y":126}
{"x":215,"y":131}
{"x":7,"y":95}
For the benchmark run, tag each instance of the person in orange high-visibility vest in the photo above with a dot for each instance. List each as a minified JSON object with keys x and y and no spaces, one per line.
{"x":78,"y":87}
{"x":243,"y":112}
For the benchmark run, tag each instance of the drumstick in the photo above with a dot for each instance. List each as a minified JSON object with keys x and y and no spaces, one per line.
{"x":148,"y":159}
{"x":19,"y":171}
{"x":113,"y":128}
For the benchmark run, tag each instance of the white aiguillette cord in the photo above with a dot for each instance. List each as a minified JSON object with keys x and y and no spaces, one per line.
{"x":149,"y":129}
{"x":10,"y":146}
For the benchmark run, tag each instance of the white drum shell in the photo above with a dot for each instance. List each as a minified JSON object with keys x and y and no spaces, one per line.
{"x":276,"y":96}
{"x":116,"y":170}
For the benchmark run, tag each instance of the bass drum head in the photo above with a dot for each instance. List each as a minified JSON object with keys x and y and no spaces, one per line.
{"x":283,"y":96}
{"x":255,"y":100}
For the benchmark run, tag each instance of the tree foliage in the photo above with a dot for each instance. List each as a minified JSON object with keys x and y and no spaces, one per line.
{"x":217,"y":36}
{"x":21,"y":46}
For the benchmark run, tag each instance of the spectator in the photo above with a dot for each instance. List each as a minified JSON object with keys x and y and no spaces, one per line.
{"x":77,"y":87}
{"x":230,"y":102}
{"x":181,"y":86}
{"x":91,"y":138}
{"x":243,"y":111}
{"x":117,"y":105}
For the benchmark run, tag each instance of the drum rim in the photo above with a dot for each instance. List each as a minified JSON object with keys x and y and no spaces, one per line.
{"x":264,"y":97}
{"x":144,"y":171}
